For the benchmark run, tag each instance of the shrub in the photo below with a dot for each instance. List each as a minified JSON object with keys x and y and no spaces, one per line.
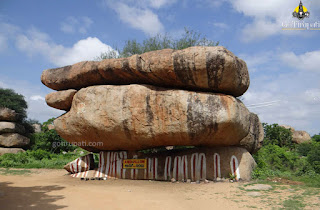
{"x":49,"y":140}
{"x":277,"y":135}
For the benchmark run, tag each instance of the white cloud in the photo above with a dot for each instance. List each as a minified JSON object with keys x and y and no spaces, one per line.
{"x":309,"y":61}
{"x":259,"y":62}
{"x":268,"y":16}
{"x":221,"y":25}
{"x":37,"y":43}
{"x":160,"y":3}
{"x":37,"y":98}
{"x":288,"y":97}
{"x":76,"y":25}
{"x":139,"y":18}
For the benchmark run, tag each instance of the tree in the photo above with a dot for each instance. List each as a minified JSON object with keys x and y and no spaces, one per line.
{"x":277,"y":135}
{"x":49,"y":140}
{"x":12,"y":100}
{"x":188,"y":39}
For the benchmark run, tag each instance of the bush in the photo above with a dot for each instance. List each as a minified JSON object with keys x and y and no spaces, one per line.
{"x":36,"y":159}
{"x":188,"y":39}
{"x":277,"y":135}
{"x":304,"y":148}
{"x":314,"y":156}
{"x":273,"y":160}
{"x":49,"y":140}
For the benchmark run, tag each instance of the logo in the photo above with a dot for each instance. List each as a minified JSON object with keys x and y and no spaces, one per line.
{"x":301,"y":12}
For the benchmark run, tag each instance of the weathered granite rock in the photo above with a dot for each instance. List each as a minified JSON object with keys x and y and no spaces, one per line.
{"x":36,"y":127}
{"x":212,"y":69}
{"x":253,"y":141}
{"x":298,"y":137}
{"x":10,"y":150}
{"x":61,"y":99}
{"x":51,"y":127}
{"x":10,"y":127}
{"x":13,"y":140}
{"x":134,"y":117}
{"x":7,"y":114}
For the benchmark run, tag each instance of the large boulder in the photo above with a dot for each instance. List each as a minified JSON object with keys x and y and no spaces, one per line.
{"x":11,"y":127}
{"x":10,"y":150}
{"x":299,"y":137}
{"x":253,"y":141}
{"x":13,"y":140}
{"x":133,"y":117}
{"x":61,"y":99}
{"x":7,"y":114}
{"x":213,"y":69}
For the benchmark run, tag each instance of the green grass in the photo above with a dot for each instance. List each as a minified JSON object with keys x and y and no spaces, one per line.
{"x":8,"y":171}
{"x":294,"y":202}
{"x":37,"y":159}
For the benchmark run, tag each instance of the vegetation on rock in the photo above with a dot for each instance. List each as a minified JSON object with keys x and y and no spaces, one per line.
{"x":190,"y":38}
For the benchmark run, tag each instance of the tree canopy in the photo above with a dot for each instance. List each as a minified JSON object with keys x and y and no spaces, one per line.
{"x":12,"y":100}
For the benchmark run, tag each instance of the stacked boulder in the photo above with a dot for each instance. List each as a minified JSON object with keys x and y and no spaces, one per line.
{"x":160,"y":98}
{"x":11,"y":133}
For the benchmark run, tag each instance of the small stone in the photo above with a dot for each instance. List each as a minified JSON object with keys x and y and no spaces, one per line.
{"x":81,"y":153}
{"x":173,"y":180}
{"x":258,"y":187}
{"x":198,"y":182}
{"x":206,"y":181}
{"x":193,"y":182}
{"x":104,"y":178}
{"x":218,"y":179}
{"x":254,"y":194}
{"x":231,"y":180}
{"x":64,"y":152}
{"x":188,"y":180}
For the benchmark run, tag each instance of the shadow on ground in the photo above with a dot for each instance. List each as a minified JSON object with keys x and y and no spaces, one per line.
{"x":28,"y":197}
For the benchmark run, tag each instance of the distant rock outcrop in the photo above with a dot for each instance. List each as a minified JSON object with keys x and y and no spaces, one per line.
{"x":11,"y":132}
{"x":298,"y":137}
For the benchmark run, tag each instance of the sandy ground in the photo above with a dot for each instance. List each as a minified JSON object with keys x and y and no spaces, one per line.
{"x":54,"y":189}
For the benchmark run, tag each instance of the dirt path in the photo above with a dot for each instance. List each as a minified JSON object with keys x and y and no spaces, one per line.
{"x":53,"y":189}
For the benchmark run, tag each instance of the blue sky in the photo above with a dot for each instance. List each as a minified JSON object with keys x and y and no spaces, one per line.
{"x":284,"y":65}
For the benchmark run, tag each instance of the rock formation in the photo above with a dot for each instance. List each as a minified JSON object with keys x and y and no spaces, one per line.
{"x":161,"y":98}
{"x":11,"y":133}
{"x":213,"y":69}
{"x":298,"y":137}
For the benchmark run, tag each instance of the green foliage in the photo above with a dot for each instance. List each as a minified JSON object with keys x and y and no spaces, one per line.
{"x":188,"y":39}
{"x":316,"y":138}
{"x":275,"y":158}
{"x":49,"y":140}
{"x":12,"y":100}
{"x":277,"y":135}
{"x":36,"y":159}
{"x":304,"y":148}
{"x":314,"y":156}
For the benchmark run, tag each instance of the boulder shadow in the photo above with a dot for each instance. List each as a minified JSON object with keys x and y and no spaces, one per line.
{"x":35,"y":197}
